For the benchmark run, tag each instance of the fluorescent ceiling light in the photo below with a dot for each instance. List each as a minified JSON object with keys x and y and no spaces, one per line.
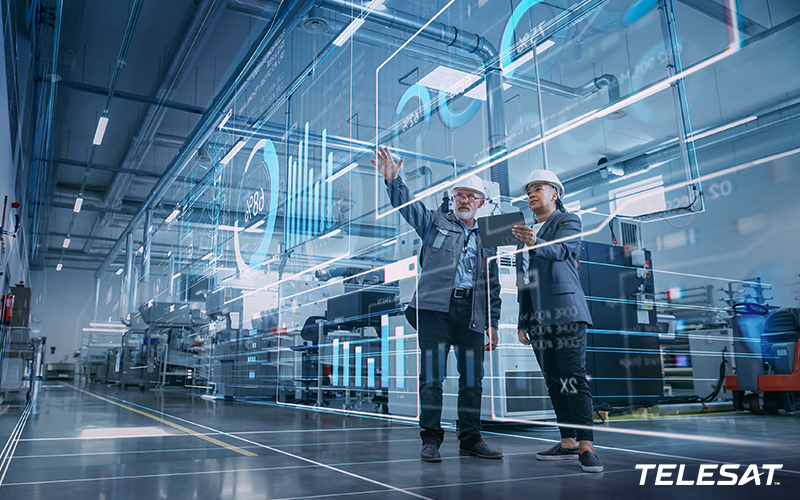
{"x":223,"y":227}
{"x":717,"y":130}
{"x":66,"y":243}
{"x":119,"y":271}
{"x":225,"y":120}
{"x":236,"y":148}
{"x":332,"y":233}
{"x":207,"y":256}
{"x":107,"y":325}
{"x":78,"y":205}
{"x":455,"y":82}
{"x":101,"y":131}
{"x":345,"y":35}
{"x":341,"y":172}
{"x":102,"y":330}
{"x":253,"y":228}
{"x":528,"y":55}
{"x":59,"y":266}
{"x":390,"y":242}
{"x":176,"y":275}
{"x":171,"y":217}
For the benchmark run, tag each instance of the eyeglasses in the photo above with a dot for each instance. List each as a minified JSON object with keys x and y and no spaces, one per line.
{"x":469,"y":198}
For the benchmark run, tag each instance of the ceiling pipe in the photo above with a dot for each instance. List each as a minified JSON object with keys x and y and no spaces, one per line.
{"x":371,"y":38}
{"x":190,"y":39}
{"x":671,"y":150}
{"x":286,"y":19}
{"x":459,"y":39}
{"x":253,"y":8}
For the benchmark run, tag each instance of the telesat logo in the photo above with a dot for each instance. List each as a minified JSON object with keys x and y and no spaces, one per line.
{"x":706,"y":475}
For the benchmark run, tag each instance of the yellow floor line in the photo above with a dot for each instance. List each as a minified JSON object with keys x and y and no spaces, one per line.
{"x":167,"y":422}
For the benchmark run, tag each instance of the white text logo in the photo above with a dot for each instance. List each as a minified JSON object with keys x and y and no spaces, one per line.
{"x":708,"y":474}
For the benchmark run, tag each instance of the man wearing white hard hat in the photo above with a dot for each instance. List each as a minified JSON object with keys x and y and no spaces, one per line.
{"x":554,"y":316}
{"x":451,"y":306}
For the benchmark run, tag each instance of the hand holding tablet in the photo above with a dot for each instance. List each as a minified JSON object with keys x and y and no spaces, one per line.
{"x":496,"y":230}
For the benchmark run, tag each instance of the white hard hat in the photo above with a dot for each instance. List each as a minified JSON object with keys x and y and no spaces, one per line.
{"x":472,"y":182}
{"x":546,"y":177}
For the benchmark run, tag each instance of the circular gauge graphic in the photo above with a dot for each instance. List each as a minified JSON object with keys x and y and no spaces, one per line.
{"x":257,"y":207}
{"x":422,"y":113}
{"x":455,"y":119}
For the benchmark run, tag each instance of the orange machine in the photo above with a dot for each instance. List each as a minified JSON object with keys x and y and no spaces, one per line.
{"x":767,"y":359}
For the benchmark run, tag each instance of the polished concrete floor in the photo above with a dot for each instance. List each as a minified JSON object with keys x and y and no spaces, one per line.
{"x":89,"y":441}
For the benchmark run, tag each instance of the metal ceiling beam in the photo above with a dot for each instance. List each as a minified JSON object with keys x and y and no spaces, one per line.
{"x":719,"y":13}
{"x":189,"y":40}
{"x":287,"y":17}
{"x":109,"y":168}
{"x":128,"y":96}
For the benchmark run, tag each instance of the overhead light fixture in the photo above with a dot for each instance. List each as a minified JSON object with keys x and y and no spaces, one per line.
{"x":717,"y":130}
{"x":176,"y":275}
{"x":356,"y":23}
{"x":225,"y":120}
{"x":101,"y":131}
{"x":59,"y":266}
{"x":332,"y":233}
{"x":341,"y":172}
{"x":66,"y":243}
{"x":390,"y":242}
{"x":107,"y":325}
{"x":119,"y":271}
{"x":78,"y":205}
{"x":345,"y":35}
{"x":455,"y":82}
{"x":171,"y":217}
{"x":527,"y":56}
{"x":236,"y":148}
{"x":207,"y":256}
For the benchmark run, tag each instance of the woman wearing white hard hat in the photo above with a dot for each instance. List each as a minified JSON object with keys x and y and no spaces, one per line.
{"x":554,"y":316}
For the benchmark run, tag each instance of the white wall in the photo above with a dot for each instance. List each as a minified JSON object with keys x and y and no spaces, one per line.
{"x":62,"y":303}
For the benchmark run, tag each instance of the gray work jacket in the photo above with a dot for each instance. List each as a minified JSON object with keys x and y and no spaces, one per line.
{"x":442,"y":243}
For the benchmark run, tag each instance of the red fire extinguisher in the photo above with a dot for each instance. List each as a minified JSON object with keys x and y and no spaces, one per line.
{"x":8,"y":307}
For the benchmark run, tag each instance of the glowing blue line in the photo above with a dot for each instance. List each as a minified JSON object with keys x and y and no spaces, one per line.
{"x":335,"y":369}
{"x":370,"y":372}
{"x":330,"y":190}
{"x":385,"y":351}
{"x":400,"y":359}
{"x":358,"y":366}
{"x":345,"y":364}
{"x":309,"y":223}
{"x":289,"y":199}
{"x":307,"y":187}
{"x":323,"y":177}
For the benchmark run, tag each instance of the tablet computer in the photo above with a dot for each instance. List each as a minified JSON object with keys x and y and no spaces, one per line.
{"x":496,"y":229}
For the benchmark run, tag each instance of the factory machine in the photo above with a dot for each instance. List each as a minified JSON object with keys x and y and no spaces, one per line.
{"x":768,"y":361}
{"x":622,"y":355}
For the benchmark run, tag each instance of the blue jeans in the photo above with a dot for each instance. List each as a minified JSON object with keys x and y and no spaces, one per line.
{"x":437,"y":332}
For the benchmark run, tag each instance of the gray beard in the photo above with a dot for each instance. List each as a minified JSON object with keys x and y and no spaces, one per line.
{"x":465,"y":214}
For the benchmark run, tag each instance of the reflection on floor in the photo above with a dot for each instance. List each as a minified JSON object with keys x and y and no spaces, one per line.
{"x":91,"y":441}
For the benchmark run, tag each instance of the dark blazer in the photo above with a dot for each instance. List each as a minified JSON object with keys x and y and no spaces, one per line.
{"x":554,"y":294}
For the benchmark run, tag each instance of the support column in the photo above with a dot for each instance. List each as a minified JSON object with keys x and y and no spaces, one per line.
{"x":171,"y":296}
{"x":129,"y":273}
{"x":147,"y":231}
{"x":96,"y":297}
